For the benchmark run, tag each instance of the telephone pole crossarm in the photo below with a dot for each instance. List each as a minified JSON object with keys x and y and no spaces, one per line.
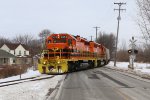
{"x":120,"y":9}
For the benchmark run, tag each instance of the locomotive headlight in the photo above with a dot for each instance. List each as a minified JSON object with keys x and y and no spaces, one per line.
{"x":44,"y":62}
{"x":58,"y":62}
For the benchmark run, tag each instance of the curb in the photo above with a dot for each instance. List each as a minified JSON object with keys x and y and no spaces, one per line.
{"x":131,"y":74}
{"x":56,"y":93}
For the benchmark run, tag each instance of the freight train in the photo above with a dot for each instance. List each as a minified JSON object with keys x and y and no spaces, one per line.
{"x":65,"y":53}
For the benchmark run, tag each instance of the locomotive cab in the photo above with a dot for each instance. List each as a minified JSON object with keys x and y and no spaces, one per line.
{"x":58,"y":47}
{"x":59,"y":40}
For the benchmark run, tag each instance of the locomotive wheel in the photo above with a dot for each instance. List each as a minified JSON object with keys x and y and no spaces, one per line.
{"x":77,"y":65}
{"x":95,"y":63}
{"x":71,"y":66}
{"x":44,"y":70}
{"x":91,"y":64}
{"x":99,"y":63}
{"x":105,"y":62}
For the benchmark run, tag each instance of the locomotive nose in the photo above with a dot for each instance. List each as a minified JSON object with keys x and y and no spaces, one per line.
{"x":56,"y":67}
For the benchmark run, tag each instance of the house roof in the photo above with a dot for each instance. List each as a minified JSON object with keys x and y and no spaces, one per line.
{"x":14,"y":46}
{"x":25,"y":46}
{"x":4,"y":54}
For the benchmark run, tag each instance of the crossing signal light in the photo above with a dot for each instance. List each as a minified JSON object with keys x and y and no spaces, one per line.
{"x":134,"y":51}
{"x":129,"y":51}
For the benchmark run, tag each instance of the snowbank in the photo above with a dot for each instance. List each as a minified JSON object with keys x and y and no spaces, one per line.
{"x":138,"y":67}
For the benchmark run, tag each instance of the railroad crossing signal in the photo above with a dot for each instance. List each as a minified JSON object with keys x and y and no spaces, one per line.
{"x":132,"y":53}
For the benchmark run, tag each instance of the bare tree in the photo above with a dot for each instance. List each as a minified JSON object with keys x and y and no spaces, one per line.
{"x":23,"y":39}
{"x":123,"y":46}
{"x":144,"y":18}
{"x":35,"y":47}
{"x":122,"y":54}
{"x":108,"y":40}
{"x":4,"y":40}
{"x":33,"y":44}
{"x":144,"y":25}
{"x":43,"y":34}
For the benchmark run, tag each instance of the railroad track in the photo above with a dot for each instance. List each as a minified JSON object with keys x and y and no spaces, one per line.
{"x":13,"y":82}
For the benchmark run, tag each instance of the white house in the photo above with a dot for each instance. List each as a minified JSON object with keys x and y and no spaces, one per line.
{"x":19,"y":50}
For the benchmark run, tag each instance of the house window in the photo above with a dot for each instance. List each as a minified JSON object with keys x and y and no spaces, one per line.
{"x":24,"y":52}
{"x":4,"y":60}
{"x":14,"y":61}
{"x":19,"y":52}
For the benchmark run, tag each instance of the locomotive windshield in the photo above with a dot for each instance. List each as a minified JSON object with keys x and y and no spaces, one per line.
{"x":59,"y":39}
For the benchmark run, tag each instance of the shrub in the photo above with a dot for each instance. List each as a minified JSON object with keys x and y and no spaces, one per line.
{"x":7,"y":71}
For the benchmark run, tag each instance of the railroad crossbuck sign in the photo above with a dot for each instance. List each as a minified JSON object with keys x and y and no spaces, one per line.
{"x":132,"y":45}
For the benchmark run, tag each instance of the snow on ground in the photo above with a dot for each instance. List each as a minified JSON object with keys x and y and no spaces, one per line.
{"x":29,"y":73}
{"x":138,"y":67}
{"x":35,"y":90}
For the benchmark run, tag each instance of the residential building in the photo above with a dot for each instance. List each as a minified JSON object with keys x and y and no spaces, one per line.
{"x":6,"y":58}
{"x":20,"y":51}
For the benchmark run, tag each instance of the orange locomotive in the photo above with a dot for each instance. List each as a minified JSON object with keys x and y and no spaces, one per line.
{"x":65,"y":53}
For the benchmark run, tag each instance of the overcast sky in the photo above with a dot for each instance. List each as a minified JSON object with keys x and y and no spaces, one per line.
{"x":76,"y":17}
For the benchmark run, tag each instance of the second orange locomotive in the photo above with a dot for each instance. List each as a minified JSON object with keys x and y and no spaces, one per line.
{"x":65,"y":53}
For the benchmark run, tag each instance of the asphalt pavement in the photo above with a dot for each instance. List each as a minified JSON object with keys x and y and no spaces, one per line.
{"x":102,"y":84}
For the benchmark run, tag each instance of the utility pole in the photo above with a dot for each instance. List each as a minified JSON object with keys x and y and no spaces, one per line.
{"x":119,"y":18}
{"x":91,"y":37}
{"x":96,"y":31}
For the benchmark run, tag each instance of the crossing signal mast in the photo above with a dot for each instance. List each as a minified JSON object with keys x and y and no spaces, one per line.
{"x":132,"y":52}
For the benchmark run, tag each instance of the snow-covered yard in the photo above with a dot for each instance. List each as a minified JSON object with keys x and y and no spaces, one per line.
{"x":35,"y":90}
{"x":28,"y":74}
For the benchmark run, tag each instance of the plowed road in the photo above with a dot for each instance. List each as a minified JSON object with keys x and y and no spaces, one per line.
{"x":102,"y":84}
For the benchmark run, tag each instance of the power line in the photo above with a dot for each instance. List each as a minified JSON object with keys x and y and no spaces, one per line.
{"x":119,"y":18}
{"x":96,"y":31}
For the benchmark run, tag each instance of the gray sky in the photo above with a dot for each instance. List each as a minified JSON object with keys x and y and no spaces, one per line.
{"x":69,"y":16}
